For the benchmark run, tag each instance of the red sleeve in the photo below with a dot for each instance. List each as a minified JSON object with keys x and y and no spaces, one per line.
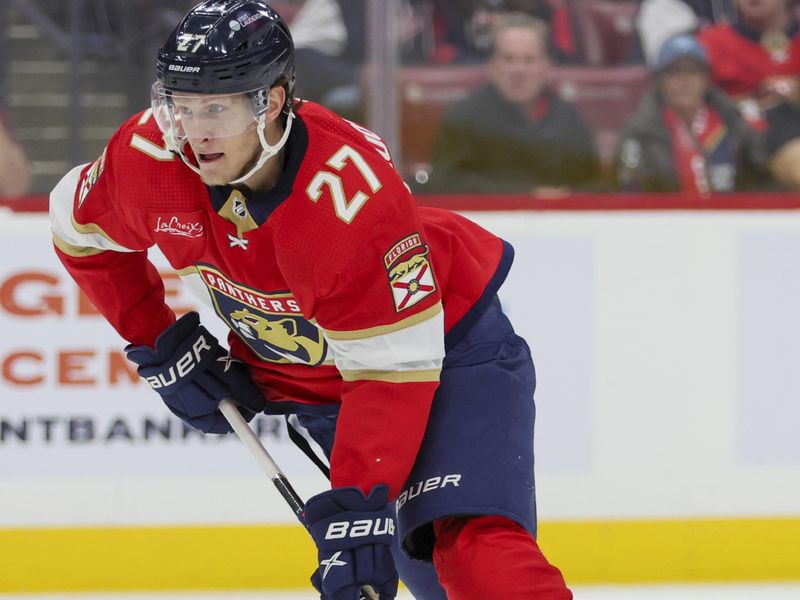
{"x":126,"y":289}
{"x":97,"y":240}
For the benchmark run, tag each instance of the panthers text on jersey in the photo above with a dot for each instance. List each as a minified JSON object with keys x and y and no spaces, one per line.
{"x":336,"y":287}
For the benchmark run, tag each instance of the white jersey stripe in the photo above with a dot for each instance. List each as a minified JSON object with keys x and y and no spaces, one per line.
{"x":419,"y":347}
{"x":383,"y":329}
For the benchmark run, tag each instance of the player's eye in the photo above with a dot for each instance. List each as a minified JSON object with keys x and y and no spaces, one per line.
{"x":215,"y":109}
{"x":183,"y":111}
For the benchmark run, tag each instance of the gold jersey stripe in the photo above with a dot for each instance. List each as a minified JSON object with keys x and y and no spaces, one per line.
{"x":90,"y":228}
{"x":75,"y":251}
{"x":187,"y":271}
{"x":392,"y":376}
{"x":358,"y":334}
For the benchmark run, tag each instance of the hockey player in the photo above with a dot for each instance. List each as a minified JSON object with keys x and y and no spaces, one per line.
{"x":374,"y":321}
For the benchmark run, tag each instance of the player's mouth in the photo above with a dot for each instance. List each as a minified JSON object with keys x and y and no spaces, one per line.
{"x":210,"y":158}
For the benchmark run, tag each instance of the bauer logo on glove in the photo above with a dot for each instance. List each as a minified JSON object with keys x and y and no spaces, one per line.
{"x":360,"y":528}
{"x":184,"y":365}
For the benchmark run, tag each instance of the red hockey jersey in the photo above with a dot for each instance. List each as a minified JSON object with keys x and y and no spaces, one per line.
{"x":741,"y":62}
{"x":337,"y":288}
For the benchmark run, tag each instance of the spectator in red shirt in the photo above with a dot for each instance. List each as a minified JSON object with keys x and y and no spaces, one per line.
{"x":757,"y":60}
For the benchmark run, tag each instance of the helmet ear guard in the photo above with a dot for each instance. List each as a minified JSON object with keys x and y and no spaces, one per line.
{"x":259,"y":100}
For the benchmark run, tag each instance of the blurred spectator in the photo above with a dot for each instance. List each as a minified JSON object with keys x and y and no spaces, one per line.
{"x":463,"y":28}
{"x":331,"y":45}
{"x":514,"y":135}
{"x":756,"y":59}
{"x":659,"y":20}
{"x":687,"y":135}
{"x":15,"y":175}
{"x":330,"y":38}
{"x":486,"y":14}
{"x":783,"y":144}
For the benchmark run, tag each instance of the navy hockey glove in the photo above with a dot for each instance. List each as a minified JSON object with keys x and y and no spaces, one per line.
{"x":193,"y":374}
{"x":354,"y":537}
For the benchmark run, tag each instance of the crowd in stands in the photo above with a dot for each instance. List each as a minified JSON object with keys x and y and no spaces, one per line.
{"x":556,"y":96}
{"x":552,"y":96}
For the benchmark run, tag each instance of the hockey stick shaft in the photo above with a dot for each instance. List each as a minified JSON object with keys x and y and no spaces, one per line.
{"x":251,"y":441}
{"x":262,"y":457}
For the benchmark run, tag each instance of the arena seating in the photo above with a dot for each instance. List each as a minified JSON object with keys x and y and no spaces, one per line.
{"x":424,"y":94}
{"x":606,"y":96}
{"x":606,"y":31}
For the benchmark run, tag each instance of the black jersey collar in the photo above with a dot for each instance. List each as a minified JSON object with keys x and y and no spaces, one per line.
{"x":262,"y":204}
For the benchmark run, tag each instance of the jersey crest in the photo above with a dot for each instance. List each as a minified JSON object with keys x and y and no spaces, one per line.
{"x":410,"y":274}
{"x":91,"y":177}
{"x":270,"y":323}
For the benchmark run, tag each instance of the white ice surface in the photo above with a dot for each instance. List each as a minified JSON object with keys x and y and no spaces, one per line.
{"x":759,"y":591}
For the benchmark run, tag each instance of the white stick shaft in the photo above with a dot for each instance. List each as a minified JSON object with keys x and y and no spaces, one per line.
{"x":249,"y":438}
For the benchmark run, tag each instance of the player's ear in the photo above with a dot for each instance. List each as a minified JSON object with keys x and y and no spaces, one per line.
{"x":277,"y":98}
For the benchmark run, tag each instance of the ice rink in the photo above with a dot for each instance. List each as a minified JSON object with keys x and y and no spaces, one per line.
{"x":671,"y":592}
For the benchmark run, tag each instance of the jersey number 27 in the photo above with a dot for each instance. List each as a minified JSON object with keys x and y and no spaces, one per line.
{"x":345,"y":209}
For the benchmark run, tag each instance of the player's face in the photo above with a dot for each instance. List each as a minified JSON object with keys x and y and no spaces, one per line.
{"x":225,"y":159}
{"x":684,"y":85}
{"x":221,"y":132}
{"x":519,"y":66}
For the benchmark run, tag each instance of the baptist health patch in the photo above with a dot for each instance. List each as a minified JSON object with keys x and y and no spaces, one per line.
{"x":410,"y":274}
{"x":270,"y":323}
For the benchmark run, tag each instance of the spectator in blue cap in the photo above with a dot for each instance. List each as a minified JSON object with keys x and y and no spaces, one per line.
{"x":687,"y":135}
{"x":659,"y":20}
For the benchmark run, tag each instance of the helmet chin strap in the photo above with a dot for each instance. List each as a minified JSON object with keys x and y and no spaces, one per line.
{"x":267,"y":150}
{"x":179,"y":151}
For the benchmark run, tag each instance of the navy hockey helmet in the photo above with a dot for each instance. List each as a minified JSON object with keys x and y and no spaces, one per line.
{"x":226,"y":47}
{"x":223,"y":48}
